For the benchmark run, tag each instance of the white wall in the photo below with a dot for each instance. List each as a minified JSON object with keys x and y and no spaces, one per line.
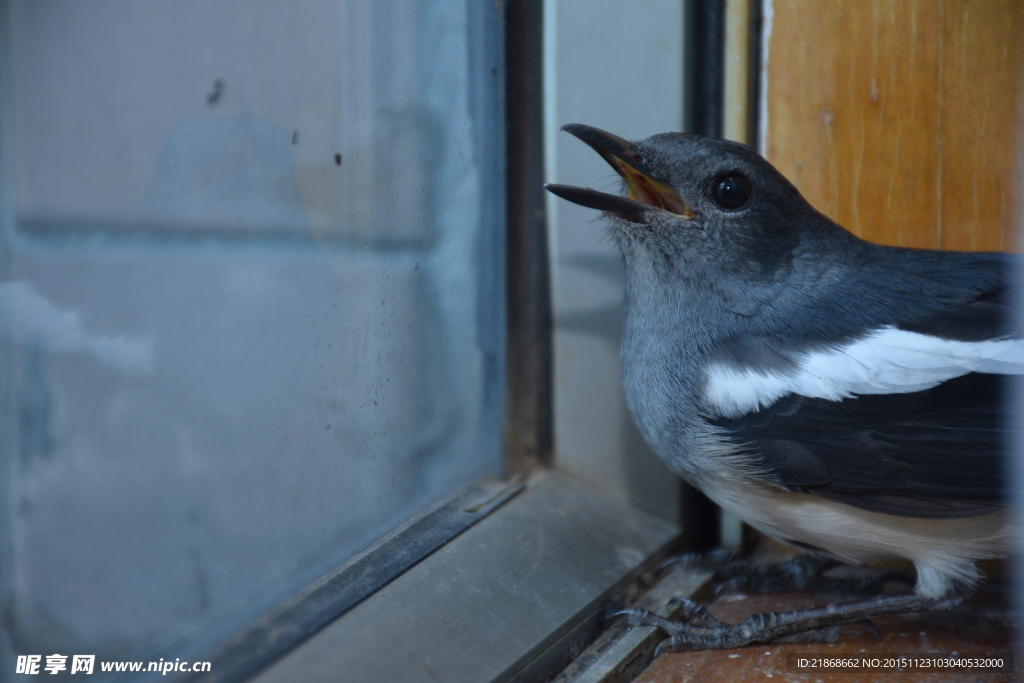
{"x":618,"y":66}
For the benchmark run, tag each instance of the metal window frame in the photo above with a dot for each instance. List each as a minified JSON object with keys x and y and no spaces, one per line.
{"x":529,"y":426}
{"x":596,"y":547}
{"x":299,"y":610}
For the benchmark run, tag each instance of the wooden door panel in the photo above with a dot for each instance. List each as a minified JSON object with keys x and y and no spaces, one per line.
{"x":900,"y":120}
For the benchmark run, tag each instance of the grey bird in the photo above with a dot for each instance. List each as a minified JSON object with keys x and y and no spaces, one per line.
{"x":835,"y":394}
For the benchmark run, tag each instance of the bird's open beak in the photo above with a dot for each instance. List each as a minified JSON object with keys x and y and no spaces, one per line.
{"x":644,"y":193}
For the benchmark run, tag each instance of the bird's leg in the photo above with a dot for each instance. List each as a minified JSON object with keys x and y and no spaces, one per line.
{"x":816,"y":623}
{"x":802,"y":573}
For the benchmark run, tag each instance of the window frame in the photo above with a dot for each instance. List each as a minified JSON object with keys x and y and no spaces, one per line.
{"x":303,"y":617}
{"x":531,"y":451}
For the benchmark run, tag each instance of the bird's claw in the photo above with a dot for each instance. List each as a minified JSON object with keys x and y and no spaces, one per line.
{"x":691,"y":609}
{"x":698,"y":630}
{"x":870,"y":627}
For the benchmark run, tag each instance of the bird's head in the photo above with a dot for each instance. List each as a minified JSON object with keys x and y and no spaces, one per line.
{"x":700,"y":206}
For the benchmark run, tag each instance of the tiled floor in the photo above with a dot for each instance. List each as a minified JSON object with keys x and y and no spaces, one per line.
{"x":982,"y":625}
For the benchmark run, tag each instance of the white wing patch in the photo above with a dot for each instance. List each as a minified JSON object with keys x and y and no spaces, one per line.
{"x":889,"y":361}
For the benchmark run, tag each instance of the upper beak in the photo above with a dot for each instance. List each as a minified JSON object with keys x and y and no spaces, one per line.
{"x":644,"y":192}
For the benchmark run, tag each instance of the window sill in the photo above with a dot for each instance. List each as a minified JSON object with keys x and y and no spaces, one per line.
{"x":507,"y":600}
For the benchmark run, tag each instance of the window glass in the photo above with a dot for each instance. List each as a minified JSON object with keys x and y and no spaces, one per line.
{"x":250,"y":300}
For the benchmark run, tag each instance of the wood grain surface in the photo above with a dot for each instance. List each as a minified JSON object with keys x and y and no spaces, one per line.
{"x":900,"y":119}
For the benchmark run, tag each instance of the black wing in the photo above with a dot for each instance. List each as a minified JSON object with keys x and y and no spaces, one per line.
{"x":935,"y":453}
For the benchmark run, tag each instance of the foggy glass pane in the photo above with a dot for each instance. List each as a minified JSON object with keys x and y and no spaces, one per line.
{"x":249,"y":301}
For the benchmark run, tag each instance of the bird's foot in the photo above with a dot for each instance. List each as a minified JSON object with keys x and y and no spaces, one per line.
{"x":697,"y":629}
{"x":802,"y":573}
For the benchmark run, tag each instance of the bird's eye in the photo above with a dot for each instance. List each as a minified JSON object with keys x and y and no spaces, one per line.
{"x":731,"y":190}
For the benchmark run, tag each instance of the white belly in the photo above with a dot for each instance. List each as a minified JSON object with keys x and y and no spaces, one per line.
{"x":942,"y":550}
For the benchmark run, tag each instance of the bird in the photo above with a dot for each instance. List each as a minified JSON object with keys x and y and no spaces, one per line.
{"x":840,"y":396}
